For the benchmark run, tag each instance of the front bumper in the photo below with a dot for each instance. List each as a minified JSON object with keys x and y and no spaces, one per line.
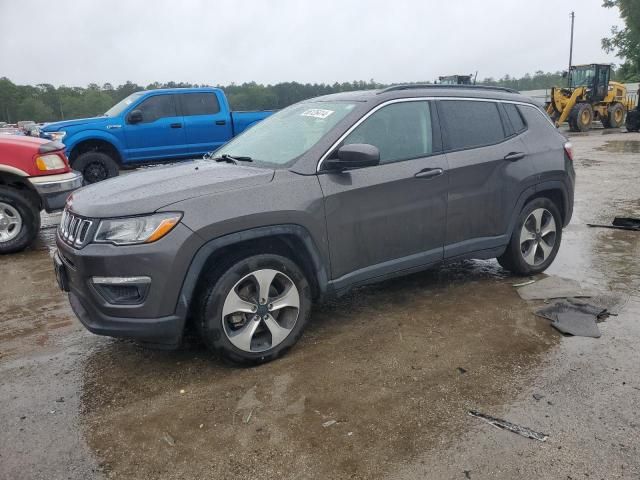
{"x":55,"y":189}
{"x":160,"y":315}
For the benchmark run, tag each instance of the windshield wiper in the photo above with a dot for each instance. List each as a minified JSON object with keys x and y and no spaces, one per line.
{"x":232,"y":158}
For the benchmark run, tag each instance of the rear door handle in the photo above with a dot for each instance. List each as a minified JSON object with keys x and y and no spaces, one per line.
{"x":221,"y":122}
{"x":514,"y":156}
{"x":429,"y":173}
{"x":176,"y":125}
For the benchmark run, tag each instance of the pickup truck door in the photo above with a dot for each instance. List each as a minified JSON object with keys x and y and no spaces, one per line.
{"x":207,"y":125}
{"x":160,"y":133}
{"x":391,"y":216}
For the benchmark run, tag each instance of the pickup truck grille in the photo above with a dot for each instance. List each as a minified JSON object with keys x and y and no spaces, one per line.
{"x":74,"y":230}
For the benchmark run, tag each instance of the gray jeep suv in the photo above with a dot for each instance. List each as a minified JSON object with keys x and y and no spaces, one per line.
{"x":325,"y":195}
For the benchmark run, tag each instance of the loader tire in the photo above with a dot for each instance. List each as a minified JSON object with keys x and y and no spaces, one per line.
{"x":633,"y":121}
{"x":581,"y":117}
{"x":615,"y":116}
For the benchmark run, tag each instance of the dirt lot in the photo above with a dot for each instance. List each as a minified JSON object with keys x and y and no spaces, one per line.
{"x":397,"y":366}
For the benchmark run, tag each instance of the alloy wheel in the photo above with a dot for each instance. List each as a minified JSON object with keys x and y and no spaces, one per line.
{"x":261,"y":310}
{"x":538,"y":236}
{"x":10,"y":222}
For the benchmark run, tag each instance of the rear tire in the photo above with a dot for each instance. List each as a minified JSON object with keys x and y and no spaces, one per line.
{"x":581,"y":117}
{"x":615,"y":116}
{"x":96,"y":166}
{"x":535,"y":240}
{"x":19,"y":220}
{"x":244,"y":325}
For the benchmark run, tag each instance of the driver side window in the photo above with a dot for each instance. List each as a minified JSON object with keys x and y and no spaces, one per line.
{"x":401,"y":131}
{"x":157,"y":107}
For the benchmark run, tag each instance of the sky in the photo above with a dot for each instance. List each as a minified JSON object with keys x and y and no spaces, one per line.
{"x":219,"y":41}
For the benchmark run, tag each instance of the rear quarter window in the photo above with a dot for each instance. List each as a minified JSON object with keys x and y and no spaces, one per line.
{"x":469,"y":124}
{"x":515,"y":117}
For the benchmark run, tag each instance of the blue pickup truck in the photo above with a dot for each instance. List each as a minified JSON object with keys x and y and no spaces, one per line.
{"x":149,"y":126}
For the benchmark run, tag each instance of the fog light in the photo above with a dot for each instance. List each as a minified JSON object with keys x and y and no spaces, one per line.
{"x":122,"y":290}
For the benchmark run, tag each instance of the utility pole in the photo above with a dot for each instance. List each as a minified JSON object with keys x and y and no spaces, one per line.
{"x":573,"y":17}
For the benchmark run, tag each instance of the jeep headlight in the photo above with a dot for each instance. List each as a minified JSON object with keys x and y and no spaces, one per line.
{"x":136,"y":230}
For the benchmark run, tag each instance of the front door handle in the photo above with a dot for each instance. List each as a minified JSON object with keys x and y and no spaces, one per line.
{"x":176,"y":125}
{"x":429,"y":173}
{"x":221,"y":122}
{"x":514,"y":156}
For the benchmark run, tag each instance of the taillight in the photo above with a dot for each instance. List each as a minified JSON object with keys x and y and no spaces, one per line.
{"x":568,"y":148}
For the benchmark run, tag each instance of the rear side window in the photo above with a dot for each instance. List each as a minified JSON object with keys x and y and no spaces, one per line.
{"x":471,"y":124}
{"x":199,"y":104}
{"x":401,"y":131}
{"x":156,"y":107}
{"x":515,"y":117}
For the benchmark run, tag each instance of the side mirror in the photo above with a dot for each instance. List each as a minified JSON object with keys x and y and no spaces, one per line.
{"x":135,"y":116}
{"x":564,"y":74}
{"x":355,"y":155}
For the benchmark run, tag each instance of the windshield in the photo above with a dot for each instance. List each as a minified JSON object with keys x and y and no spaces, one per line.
{"x":583,"y":77}
{"x":284,"y":136}
{"x":122,"y":104}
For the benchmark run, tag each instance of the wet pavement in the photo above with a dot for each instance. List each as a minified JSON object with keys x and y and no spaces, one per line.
{"x":378,"y":387}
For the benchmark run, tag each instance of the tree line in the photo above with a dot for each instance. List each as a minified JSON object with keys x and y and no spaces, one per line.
{"x":47,"y":103}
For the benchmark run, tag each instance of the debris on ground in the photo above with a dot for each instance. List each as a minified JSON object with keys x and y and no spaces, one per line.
{"x":248,"y":418}
{"x":538,"y":396}
{"x":329,"y":423}
{"x":512,"y":427}
{"x":169,"y":439}
{"x":555,"y":287}
{"x":467,"y":474}
{"x":574,"y":318}
{"x":621,"y":223}
{"x":523,"y":284}
{"x":462,"y":370}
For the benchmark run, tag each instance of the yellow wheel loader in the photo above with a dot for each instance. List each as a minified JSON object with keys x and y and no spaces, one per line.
{"x":591,"y":96}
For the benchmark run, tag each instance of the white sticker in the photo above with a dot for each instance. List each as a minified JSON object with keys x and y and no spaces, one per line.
{"x":317,"y":113}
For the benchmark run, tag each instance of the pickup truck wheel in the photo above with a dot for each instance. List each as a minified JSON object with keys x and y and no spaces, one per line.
{"x":535,"y":240}
{"x":256,"y":310}
{"x":19,"y":220}
{"x":96,"y":166}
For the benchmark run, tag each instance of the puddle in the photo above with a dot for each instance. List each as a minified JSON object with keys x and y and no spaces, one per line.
{"x":620,"y":146}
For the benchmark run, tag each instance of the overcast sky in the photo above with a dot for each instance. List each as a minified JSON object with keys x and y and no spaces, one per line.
{"x":269,"y":41}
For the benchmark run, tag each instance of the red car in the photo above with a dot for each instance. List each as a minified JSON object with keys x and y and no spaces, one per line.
{"x":34,"y":176}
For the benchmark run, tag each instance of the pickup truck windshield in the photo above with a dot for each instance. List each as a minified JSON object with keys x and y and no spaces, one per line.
{"x":122,"y":104}
{"x":287,"y":134}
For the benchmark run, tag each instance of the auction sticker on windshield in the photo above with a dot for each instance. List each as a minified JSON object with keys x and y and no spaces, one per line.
{"x":317,"y":113}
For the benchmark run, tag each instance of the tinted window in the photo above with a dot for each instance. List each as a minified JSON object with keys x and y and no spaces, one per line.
{"x":156,"y":107}
{"x":471,"y":124}
{"x":514,"y":117}
{"x":400,"y":131}
{"x":199,"y":104}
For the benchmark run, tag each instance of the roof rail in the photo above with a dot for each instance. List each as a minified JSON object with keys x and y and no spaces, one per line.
{"x":439,"y":85}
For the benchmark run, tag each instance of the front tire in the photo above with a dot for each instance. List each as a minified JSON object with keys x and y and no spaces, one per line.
{"x":96,"y":166}
{"x":581,"y":117}
{"x":535,"y":240}
{"x":19,"y":220}
{"x":255,"y":310}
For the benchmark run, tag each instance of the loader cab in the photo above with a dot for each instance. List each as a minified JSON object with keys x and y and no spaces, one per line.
{"x":594,"y":77}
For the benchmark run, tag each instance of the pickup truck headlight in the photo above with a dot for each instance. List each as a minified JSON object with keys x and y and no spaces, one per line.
{"x":57,"y":136}
{"x":136,"y":230}
{"x":49,"y":162}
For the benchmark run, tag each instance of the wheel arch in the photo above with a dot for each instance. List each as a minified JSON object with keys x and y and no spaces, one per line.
{"x":556,"y":191}
{"x":18,"y":182}
{"x":290,"y":240}
{"x":95,"y":143}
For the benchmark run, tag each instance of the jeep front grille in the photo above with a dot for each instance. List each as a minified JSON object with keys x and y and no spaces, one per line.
{"x":74,"y":230}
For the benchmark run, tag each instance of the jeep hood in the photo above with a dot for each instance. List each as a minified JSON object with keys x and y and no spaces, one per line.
{"x":152,"y":188}
{"x":57,"y":126}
